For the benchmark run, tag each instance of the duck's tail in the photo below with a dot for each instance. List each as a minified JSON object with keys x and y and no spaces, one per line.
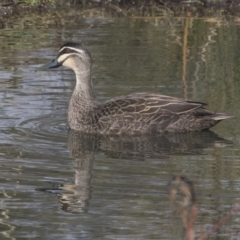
{"x":220,"y":116}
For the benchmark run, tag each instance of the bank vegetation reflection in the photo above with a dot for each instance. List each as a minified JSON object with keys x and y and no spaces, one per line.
{"x":182,"y":196}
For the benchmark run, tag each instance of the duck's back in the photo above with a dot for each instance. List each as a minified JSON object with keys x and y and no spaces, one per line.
{"x":144,"y":113}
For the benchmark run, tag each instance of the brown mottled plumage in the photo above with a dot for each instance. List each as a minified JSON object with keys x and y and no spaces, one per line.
{"x":134,"y":114}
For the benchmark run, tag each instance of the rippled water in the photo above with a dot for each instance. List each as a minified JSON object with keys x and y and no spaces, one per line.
{"x":57,"y":184}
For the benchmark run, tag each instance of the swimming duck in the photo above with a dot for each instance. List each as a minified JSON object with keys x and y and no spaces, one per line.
{"x":134,"y":114}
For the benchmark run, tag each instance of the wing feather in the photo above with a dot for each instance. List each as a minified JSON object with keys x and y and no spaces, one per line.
{"x":149,"y":104}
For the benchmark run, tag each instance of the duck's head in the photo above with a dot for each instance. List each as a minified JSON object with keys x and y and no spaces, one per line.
{"x":72,"y":55}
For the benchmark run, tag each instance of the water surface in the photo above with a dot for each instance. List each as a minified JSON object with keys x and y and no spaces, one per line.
{"x":57,"y":184}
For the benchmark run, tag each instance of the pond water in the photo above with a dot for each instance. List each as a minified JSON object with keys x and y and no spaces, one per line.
{"x":56,"y":184}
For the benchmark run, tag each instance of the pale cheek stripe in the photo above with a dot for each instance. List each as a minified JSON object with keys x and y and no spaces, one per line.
{"x":74,"y":49}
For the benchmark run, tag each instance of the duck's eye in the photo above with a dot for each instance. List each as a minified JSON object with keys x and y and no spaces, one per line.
{"x":66,"y":50}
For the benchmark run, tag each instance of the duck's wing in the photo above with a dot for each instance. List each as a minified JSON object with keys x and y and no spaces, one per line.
{"x":143,"y":103}
{"x":142,"y":113}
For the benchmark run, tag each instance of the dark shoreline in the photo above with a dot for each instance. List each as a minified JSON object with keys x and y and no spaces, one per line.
{"x":140,"y":8}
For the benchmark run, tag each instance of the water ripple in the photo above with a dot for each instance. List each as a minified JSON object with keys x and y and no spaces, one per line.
{"x":47,"y":125}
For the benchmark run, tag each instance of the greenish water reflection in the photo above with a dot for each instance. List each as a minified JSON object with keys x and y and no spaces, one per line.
{"x":117,"y":188}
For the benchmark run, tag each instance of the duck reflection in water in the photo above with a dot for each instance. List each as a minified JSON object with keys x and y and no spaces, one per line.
{"x":75,"y":197}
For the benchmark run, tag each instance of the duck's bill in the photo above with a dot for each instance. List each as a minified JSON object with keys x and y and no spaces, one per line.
{"x":53,"y":64}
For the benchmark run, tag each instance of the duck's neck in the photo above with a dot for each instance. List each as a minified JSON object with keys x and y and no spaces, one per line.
{"x":82,"y":102}
{"x":83,"y":89}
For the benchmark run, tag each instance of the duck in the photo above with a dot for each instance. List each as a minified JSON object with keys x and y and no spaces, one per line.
{"x":133,"y":114}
